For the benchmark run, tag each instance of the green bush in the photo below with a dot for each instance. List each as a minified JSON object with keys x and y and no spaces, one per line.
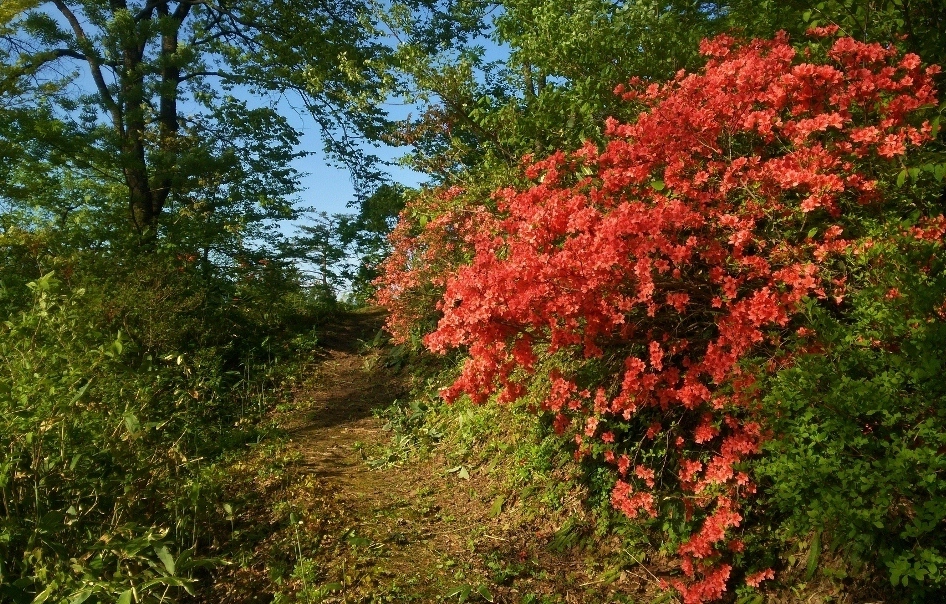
{"x":85,"y":458}
{"x":859,"y":424}
{"x":117,"y":402}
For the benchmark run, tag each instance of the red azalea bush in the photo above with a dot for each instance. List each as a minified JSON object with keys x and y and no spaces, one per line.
{"x":429,"y":242}
{"x":668,"y":266}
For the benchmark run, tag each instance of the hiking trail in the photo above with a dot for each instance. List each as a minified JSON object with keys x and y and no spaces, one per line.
{"x":414,"y":531}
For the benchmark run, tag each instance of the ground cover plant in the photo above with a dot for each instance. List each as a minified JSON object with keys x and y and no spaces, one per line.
{"x":733,"y":270}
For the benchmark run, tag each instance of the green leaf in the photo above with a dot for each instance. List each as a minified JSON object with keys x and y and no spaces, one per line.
{"x":812,"y":233}
{"x":81,"y":597}
{"x":44,"y":595}
{"x":51,"y":522}
{"x":165,"y":558}
{"x":463,"y":474}
{"x":356,"y":541}
{"x":132,"y":423}
{"x":78,"y":395}
{"x":125,"y":598}
{"x":117,"y":346}
{"x":484,"y":592}
{"x":901,"y":178}
{"x":813,"y":555}
{"x":462,"y":591}
{"x":658,"y":185}
{"x":497,"y":507}
{"x":895,"y":576}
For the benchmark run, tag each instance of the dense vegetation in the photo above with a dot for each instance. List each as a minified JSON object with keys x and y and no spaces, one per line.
{"x":150,"y":305}
{"x":703,"y":241}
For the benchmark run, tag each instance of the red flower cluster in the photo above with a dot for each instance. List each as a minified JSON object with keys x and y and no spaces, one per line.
{"x":428,"y":243}
{"x":687,"y":247}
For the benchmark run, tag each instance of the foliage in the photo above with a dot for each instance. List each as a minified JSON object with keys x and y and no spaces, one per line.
{"x":553,"y":90}
{"x":148,"y":311}
{"x":321,"y":249}
{"x":858,"y":420}
{"x":81,"y":462}
{"x":117,"y":399}
{"x":633,"y":290}
{"x":368,"y":233}
{"x":734,"y":282}
{"x":342,"y":252}
{"x":144,"y":125}
{"x":492,"y":81}
{"x":915,"y":23}
{"x":427,"y":243}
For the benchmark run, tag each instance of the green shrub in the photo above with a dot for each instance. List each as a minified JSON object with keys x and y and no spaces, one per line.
{"x":859,"y":424}
{"x":111,"y":442}
{"x":86,"y":452}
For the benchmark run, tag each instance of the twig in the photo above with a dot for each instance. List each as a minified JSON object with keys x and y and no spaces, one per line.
{"x":641,"y":563}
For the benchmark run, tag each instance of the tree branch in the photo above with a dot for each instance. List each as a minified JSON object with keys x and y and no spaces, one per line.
{"x":146,"y":11}
{"x":218,"y":74}
{"x":95,"y":66}
{"x":180,"y":13}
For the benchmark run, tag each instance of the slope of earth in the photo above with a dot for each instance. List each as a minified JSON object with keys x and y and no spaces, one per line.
{"x":323,"y":515}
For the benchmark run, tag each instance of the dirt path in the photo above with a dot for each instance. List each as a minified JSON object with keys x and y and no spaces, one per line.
{"x":382,"y":534}
{"x":327,"y":509}
{"x":338,"y":406}
{"x":336,"y":528}
{"x":423,"y":531}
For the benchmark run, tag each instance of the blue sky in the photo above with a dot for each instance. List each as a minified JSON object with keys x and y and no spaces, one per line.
{"x":328,"y":188}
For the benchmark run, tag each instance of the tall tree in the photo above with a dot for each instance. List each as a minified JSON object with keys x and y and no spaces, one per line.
{"x":322,"y":248}
{"x":553,"y":85}
{"x":562,"y":59}
{"x":147,"y":93}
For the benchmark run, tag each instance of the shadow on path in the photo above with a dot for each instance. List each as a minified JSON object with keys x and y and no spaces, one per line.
{"x":351,"y":332}
{"x":339,"y":401}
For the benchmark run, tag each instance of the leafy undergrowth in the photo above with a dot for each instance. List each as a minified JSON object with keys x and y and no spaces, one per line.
{"x":119,"y":420}
{"x":531,"y":530}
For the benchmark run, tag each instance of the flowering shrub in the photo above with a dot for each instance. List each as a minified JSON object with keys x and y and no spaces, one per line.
{"x":673,"y":266}
{"x":430,"y":241}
